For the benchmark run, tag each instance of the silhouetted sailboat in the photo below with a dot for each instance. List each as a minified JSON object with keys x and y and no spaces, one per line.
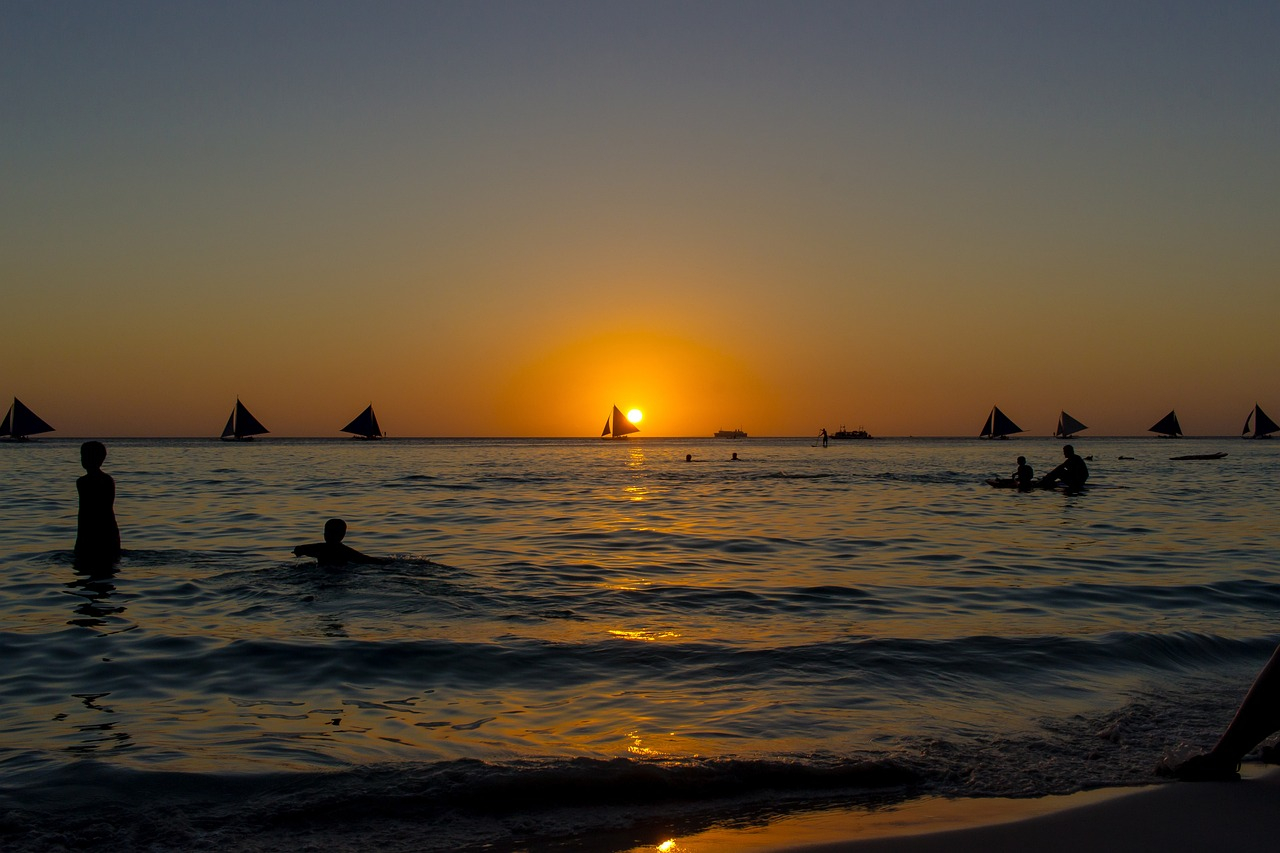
{"x":617,"y":425}
{"x":20,"y":422}
{"x":1168,"y":426}
{"x":241,"y":425}
{"x":1067,"y":426}
{"x":1261,"y":425}
{"x":365,"y":425}
{"x":998,"y":425}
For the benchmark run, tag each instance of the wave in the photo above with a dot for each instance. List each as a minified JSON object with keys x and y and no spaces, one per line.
{"x":253,"y":666}
{"x":455,"y":805}
{"x":567,"y":802}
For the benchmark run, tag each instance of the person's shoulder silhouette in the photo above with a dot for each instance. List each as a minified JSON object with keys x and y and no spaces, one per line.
{"x":332,"y":551}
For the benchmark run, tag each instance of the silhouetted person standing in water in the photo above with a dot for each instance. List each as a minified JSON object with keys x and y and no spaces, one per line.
{"x":1257,"y":718}
{"x":823,"y":433}
{"x":331,"y":552}
{"x":97,"y":536}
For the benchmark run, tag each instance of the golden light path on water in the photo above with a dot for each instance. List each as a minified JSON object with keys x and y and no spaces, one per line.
{"x":554,"y":601}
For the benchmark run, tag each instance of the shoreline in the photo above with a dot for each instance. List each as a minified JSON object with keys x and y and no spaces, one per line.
{"x":1167,"y":817}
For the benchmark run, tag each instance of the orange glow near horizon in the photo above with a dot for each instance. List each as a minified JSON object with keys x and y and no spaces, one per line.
{"x":510,"y":253}
{"x":569,"y":389}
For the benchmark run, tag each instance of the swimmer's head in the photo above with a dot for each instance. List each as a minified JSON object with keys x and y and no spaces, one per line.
{"x":334,"y":530}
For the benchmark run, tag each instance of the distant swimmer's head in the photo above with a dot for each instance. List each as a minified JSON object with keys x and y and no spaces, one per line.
{"x":334,"y":530}
{"x":92,"y":455}
{"x":688,"y":457}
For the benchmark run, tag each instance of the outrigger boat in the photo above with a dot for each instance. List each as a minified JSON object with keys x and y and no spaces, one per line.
{"x":617,"y":425}
{"x":1168,"y":426}
{"x":1067,"y":426}
{"x":20,"y":422}
{"x":998,"y":425}
{"x":365,"y":425}
{"x":1262,"y":426}
{"x":242,"y":425}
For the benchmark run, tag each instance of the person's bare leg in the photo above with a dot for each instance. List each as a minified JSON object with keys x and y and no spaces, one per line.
{"x":1257,"y":717}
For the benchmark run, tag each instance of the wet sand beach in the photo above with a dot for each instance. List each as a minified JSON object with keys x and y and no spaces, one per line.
{"x":1164,"y":818}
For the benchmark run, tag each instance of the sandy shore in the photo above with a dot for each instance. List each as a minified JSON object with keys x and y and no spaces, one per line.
{"x":1241,"y":817}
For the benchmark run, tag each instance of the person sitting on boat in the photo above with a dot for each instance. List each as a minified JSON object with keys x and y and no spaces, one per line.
{"x":331,"y":552}
{"x":1024,"y":477}
{"x":1071,"y":473}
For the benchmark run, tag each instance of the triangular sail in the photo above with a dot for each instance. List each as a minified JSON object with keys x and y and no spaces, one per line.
{"x":242,"y":423}
{"x":617,"y":425}
{"x":998,"y":425}
{"x":21,"y":422}
{"x":1262,"y":425}
{"x":622,"y":426}
{"x":365,"y":424}
{"x":1067,"y":426}
{"x":1168,"y":425}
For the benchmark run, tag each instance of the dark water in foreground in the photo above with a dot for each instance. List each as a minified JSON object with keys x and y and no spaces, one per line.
{"x":594,"y":645}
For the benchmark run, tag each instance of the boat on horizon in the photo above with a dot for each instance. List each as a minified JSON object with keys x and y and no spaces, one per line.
{"x":843,"y":433}
{"x":730,"y":433}
{"x":617,"y":425}
{"x":364,"y":426}
{"x":1262,"y":426}
{"x":20,"y":422}
{"x":1067,"y":426}
{"x":242,"y":425}
{"x":1168,"y":426}
{"x":998,"y":425}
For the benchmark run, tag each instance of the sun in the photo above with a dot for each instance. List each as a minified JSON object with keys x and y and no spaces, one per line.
{"x":635,"y":416}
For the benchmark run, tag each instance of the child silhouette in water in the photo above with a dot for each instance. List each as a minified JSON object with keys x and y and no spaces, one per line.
{"x":331,"y":552}
{"x":97,"y":536}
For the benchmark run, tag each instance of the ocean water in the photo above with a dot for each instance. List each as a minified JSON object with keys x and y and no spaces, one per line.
{"x":594,"y":645}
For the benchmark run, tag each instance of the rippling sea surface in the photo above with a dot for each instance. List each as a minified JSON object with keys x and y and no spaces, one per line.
{"x":597,"y":645}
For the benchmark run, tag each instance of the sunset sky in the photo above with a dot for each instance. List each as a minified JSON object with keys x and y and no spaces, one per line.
{"x":502,"y":218}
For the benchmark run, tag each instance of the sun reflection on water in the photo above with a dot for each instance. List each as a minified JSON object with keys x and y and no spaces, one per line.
{"x":637,"y":747}
{"x":635,"y":458}
{"x":643,"y":635}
